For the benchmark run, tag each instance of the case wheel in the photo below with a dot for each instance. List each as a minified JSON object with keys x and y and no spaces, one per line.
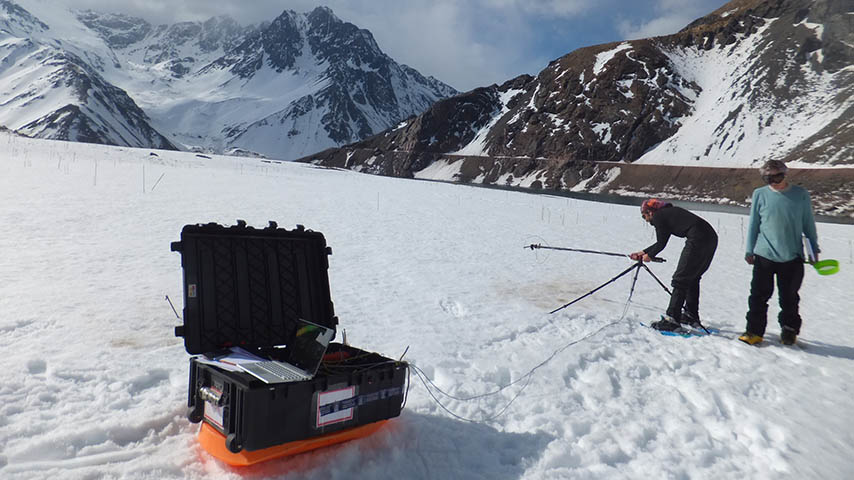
{"x":195,"y":414}
{"x":232,"y":444}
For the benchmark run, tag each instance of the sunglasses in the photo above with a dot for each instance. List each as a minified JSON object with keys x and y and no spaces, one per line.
{"x":776,"y":178}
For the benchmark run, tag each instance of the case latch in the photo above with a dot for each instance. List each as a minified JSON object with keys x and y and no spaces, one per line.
{"x":208,"y":394}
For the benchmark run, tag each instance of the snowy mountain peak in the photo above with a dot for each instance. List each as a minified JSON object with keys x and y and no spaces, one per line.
{"x":16,"y":20}
{"x":321,"y":15}
{"x":300,"y":83}
{"x":282,"y":41}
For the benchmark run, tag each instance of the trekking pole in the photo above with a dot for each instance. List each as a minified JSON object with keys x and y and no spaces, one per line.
{"x":536,"y":246}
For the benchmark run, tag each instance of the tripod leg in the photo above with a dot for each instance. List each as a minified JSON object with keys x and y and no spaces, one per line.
{"x":599,"y":287}
{"x":634,"y":281}
{"x":632,"y":290}
{"x":657,"y":280}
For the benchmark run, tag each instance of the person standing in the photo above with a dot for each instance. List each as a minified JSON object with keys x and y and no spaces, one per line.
{"x":701,"y":241}
{"x":780,"y":214}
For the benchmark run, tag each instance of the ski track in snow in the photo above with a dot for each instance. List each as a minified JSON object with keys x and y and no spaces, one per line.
{"x":95,"y":382}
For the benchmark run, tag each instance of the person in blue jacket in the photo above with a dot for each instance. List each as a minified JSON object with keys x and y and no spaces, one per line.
{"x":780,"y":214}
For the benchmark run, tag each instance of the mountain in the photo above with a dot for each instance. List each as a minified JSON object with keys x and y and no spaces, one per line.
{"x":752,"y":81}
{"x":53,"y":90}
{"x":338,"y":86}
{"x":286,"y":88}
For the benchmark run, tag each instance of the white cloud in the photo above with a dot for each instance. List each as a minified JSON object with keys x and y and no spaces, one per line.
{"x":451,"y":40}
{"x":465,"y":43}
{"x":671,"y":16}
{"x":560,"y":8}
{"x":664,"y":25}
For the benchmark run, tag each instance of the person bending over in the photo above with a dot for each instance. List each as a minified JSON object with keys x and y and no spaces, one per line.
{"x":701,"y":241}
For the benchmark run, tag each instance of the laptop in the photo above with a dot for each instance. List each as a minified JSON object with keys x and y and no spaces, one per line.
{"x":306,"y":352}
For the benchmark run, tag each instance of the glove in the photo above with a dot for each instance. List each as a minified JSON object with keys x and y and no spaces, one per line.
{"x":749,"y":259}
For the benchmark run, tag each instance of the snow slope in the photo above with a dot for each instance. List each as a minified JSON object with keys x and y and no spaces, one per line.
{"x":95,"y":382}
{"x":747,"y":130}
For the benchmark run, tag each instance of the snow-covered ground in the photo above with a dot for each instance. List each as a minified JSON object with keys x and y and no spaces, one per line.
{"x":94,"y":382}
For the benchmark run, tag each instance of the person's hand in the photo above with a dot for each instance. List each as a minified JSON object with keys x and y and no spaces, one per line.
{"x":749,"y":259}
{"x":640,"y":256}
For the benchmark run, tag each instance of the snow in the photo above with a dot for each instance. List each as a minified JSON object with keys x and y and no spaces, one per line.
{"x":744,"y":134}
{"x":478,"y":147}
{"x":603,"y":58}
{"x":442,"y":169}
{"x":611,"y":175}
{"x":603,"y":132}
{"x":95,"y":382}
{"x":816,"y":27}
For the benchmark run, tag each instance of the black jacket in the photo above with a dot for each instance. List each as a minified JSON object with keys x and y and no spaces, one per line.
{"x":680,"y":222}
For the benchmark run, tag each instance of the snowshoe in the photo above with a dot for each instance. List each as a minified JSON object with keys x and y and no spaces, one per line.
{"x":666,"y":324}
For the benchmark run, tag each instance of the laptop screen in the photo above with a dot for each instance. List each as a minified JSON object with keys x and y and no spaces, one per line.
{"x":309,"y":345}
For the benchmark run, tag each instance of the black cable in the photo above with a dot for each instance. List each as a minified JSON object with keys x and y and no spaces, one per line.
{"x":425,"y":380}
{"x":527,"y":376}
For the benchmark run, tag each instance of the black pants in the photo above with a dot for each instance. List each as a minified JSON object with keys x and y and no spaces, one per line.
{"x":789,"y":275}
{"x":695,"y":260}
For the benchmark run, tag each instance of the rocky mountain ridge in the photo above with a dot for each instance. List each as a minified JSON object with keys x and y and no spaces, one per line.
{"x":754,"y":80}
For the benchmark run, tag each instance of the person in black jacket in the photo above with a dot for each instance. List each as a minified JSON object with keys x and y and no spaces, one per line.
{"x":701,"y":241}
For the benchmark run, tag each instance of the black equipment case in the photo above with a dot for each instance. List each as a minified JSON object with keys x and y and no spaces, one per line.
{"x":248,"y":287}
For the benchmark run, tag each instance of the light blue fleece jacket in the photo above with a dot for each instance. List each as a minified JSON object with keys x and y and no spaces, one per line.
{"x":778,"y":219}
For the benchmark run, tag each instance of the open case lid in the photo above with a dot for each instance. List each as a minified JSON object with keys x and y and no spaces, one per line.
{"x":248,"y":287}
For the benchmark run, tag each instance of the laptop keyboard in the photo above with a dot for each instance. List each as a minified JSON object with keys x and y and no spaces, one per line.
{"x":277,"y":370}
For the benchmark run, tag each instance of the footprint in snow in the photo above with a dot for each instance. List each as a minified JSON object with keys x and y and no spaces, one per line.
{"x":452,"y":307}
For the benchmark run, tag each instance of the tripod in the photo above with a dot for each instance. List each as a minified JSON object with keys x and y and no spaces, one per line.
{"x":637,"y":267}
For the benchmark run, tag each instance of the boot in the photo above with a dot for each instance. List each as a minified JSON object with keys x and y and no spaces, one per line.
{"x":666,"y":324}
{"x":788,"y":336}
{"x":691,"y":319}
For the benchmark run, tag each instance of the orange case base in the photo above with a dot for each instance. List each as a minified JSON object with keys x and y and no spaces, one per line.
{"x":214,"y":443}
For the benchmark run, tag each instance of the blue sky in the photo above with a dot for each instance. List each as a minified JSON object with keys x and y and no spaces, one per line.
{"x":466,"y":44}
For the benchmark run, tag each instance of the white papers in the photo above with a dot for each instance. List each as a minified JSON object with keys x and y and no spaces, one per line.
{"x":810,"y":251}
{"x":230,"y":360}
